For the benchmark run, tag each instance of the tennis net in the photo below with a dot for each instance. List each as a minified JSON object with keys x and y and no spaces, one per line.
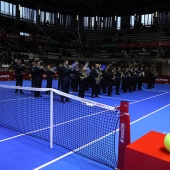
{"x":82,"y":126}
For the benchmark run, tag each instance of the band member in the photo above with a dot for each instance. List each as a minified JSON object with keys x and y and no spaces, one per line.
{"x":118,"y":77}
{"x":50,"y":75}
{"x":130,"y":86}
{"x":59,"y":76}
{"x":140,"y":78}
{"x":65,"y":83}
{"x":75,"y":78}
{"x":134,"y":79}
{"x":126,"y":80}
{"x":155,"y":74}
{"x":43,"y":69}
{"x":38,"y":70}
{"x":19,"y":70}
{"x":32,"y":74}
{"x":110,"y":77}
{"x":104,"y":81}
{"x":96,"y":76}
{"x":82,"y":80}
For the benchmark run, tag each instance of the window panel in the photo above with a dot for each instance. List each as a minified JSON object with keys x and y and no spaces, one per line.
{"x":86,"y":21}
{"x":118,"y":23}
{"x":42,"y":16}
{"x":132,"y":20}
{"x":8,"y":8}
{"x":27,"y":13}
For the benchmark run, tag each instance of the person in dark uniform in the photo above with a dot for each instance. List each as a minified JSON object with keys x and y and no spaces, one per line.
{"x":110,"y":77}
{"x":50,"y":75}
{"x":140,"y":78}
{"x":75,"y":79}
{"x":130,"y":79}
{"x":32,"y":74}
{"x":38,"y":70}
{"x":82,"y":80}
{"x":134,"y":79}
{"x":59,"y":76}
{"x":96,"y":76}
{"x":19,"y":69}
{"x":104,"y":81}
{"x":150,"y":78}
{"x":155,"y":74}
{"x":125,"y":80}
{"x":65,"y":83}
{"x":118,"y":77}
{"x":43,"y":69}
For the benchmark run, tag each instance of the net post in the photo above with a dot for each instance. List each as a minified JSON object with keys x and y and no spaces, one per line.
{"x":51,"y":118}
{"x":124,"y":132}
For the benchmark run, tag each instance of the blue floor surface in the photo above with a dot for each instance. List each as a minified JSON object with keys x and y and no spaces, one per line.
{"x":148,"y":109}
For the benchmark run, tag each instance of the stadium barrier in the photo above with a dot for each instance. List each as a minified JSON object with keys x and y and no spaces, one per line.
{"x":5,"y":75}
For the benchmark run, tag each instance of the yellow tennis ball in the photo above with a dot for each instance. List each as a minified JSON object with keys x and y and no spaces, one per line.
{"x":167,"y":142}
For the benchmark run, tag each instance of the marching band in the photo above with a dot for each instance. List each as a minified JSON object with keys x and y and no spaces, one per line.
{"x":80,"y":77}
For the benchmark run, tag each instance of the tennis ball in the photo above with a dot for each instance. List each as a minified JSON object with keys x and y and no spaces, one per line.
{"x":167,"y":142}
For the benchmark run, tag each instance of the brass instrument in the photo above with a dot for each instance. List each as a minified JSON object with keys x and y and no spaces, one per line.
{"x":84,"y":75}
{"x":52,"y":70}
{"x":99,"y":77}
{"x":43,"y":68}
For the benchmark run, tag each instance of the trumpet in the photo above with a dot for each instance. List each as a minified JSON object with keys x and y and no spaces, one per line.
{"x":43,"y":68}
{"x":52,"y":70}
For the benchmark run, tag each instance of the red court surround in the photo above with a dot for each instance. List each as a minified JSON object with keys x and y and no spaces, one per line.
{"x":6,"y":75}
{"x":147,"y":153}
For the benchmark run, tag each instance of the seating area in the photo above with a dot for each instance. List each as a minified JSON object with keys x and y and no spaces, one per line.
{"x":96,"y":36}
{"x":135,"y":35}
{"x":56,"y":42}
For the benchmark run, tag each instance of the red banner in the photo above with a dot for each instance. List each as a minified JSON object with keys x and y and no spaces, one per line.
{"x":163,"y":80}
{"x":5,"y":76}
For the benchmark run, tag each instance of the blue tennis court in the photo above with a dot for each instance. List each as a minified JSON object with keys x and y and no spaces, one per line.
{"x":149,"y":110}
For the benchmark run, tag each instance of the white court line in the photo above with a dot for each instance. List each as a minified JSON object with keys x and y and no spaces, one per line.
{"x":112,"y":97}
{"x":149,"y":114}
{"x":54,"y":160}
{"x":8,"y":100}
{"x":74,"y":120}
{"x":117,"y":98}
{"x":69,"y":153}
{"x":59,"y":124}
{"x":23,"y":134}
{"x":155,"y":91}
{"x":149,"y":98}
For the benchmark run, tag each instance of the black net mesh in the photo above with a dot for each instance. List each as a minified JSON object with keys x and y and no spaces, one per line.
{"x":85,"y":127}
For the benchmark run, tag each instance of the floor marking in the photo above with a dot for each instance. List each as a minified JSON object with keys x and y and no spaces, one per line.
{"x":58,"y":124}
{"x":155,"y":91}
{"x":69,"y":153}
{"x":149,"y":98}
{"x":149,"y":114}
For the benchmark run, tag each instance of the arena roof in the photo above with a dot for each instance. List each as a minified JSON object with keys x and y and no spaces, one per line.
{"x":99,"y":7}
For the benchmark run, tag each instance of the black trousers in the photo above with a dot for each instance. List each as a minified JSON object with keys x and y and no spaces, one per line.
{"x":19,"y":82}
{"x":65,"y":84}
{"x":82,"y":87}
{"x":95,"y":88}
{"x":38,"y":84}
{"x":118,"y":80}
